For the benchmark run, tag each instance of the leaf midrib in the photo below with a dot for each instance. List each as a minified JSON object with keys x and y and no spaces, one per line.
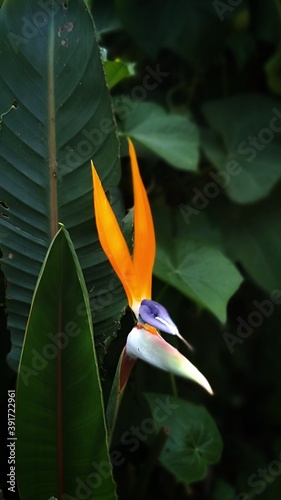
{"x":52,"y":136}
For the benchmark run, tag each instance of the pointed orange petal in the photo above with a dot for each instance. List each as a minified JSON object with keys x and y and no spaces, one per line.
{"x":113,"y":241}
{"x":144,"y":237}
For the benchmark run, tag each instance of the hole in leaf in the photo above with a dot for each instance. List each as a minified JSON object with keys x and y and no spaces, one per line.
{"x":4,"y":204}
{"x":5,"y":215}
{"x":15,"y":103}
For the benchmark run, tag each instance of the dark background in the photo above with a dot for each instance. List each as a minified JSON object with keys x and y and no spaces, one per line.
{"x":212,"y":51}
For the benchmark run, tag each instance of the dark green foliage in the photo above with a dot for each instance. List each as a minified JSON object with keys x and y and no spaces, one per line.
{"x":216,"y":66}
{"x":203,"y":108}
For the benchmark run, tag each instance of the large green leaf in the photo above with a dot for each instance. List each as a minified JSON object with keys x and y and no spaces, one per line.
{"x":61,"y":118}
{"x":62,"y":444}
{"x":246,"y":136}
{"x":199,"y":270}
{"x":172,"y":137}
{"x":252,"y":237}
{"x":193,"y":442}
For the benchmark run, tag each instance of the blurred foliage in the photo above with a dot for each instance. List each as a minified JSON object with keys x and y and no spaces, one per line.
{"x":204,"y":112}
{"x":193,"y":441}
{"x":208,"y":137}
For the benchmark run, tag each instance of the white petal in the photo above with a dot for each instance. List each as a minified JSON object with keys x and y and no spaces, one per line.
{"x":155,"y":350}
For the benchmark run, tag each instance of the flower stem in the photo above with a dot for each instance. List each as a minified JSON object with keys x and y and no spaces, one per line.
{"x":173,"y":385}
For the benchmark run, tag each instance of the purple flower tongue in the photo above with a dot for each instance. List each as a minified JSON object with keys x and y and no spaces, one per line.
{"x":156,"y":315}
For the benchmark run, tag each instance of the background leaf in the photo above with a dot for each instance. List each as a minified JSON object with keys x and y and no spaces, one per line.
{"x":62,"y":118}
{"x":60,"y":422}
{"x":248,"y":233}
{"x":247,"y":132}
{"x":212,"y":52}
{"x":172,"y":137}
{"x":193,"y":442}
{"x":199,"y":271}
{"x":117,"y":70}
{"x":105,"y":17}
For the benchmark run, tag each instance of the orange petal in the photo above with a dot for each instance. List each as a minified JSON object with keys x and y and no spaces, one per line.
{"x":113,"y":241}
{"x":144,"y":237}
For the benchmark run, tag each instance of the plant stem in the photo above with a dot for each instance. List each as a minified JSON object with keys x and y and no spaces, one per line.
{"x":173,"y":385}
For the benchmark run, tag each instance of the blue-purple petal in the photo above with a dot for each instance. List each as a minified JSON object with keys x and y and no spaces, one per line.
{"x":156,"y":315}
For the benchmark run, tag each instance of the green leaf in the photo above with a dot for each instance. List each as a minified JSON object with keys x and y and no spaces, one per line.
{"x":61,"y":118}
{"x":193,"y":442}
{"x":252,"y":238}
{"x":246,"y":135}
{"x":199,"y":271}
{"x":172,"y":137}
{"x":105,"y":17}
{"x":117,"y":70}
{"x":62,"y":443}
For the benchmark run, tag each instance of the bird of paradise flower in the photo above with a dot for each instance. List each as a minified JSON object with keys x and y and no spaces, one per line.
{"x":135,"y":273}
